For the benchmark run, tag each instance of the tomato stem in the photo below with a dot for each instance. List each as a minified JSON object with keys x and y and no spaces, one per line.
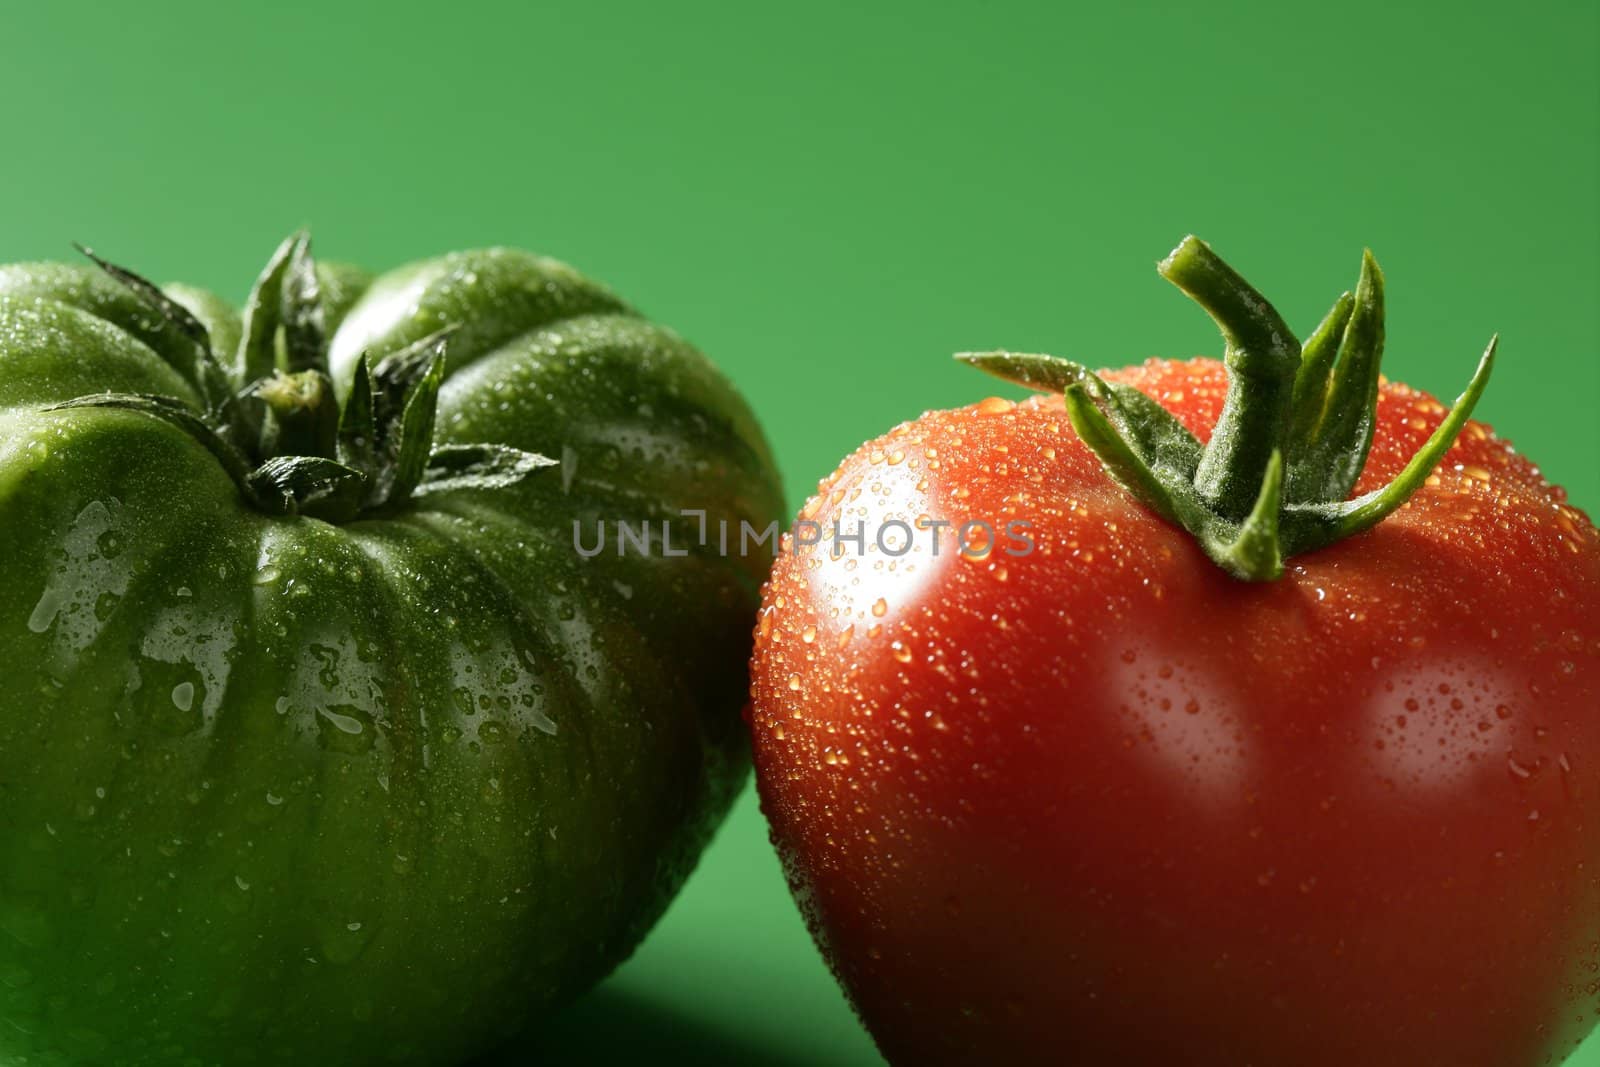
{"x":1294,"y":431}
{"x":1261,"y":355}
{"x":302,"y":414}
{"x":272,"y":419}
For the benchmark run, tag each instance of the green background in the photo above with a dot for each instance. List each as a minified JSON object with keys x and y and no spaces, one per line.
{"x":831,"y":199}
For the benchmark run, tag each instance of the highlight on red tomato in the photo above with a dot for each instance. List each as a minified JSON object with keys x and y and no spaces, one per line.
{"x":1214,"y":713}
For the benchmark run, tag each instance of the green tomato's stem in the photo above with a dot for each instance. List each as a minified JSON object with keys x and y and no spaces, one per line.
{"x":1261,"y":355}
{"x":302,"y":415}
{"x":281,"y":436}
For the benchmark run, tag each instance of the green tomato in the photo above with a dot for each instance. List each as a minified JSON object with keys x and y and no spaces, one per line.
{"x":319,"y":743}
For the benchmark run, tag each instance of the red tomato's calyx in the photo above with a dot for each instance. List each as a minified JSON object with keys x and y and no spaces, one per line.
{"x":272,"y":418}
{"x":1293,"y":435}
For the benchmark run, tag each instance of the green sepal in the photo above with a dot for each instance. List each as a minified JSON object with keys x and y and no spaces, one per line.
{"x":213,"y":383}
{"x":1159,"y":440}
{"x":1252,"y":552}
{"x":305,"y":341}
{"x":1048,"y":374}
{"x":1307,"y":527}
{"x":263,"y":313}
{"x":404,"y":395}
{"x":396,"y":374}
{"x":1123,"y":457}
{"x":1317,"y":356}
{"x":1164,"y":443}
{"x":1329,"y":442}
{"x":455,"y":467}
{"x":415,"y":441}
{"x":308,"y":485}
{"x":358,"y":429}
{"x":169,"y":309}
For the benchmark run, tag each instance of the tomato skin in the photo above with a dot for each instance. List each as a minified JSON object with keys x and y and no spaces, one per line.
{"x":1103,"y":804}
{"x":274,"y":790}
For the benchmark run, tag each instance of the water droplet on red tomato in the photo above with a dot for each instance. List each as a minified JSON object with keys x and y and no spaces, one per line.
{"x":1523,"y":771}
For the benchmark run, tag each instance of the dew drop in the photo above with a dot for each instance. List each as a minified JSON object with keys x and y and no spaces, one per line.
{"x":345,"y":728}
{"x":347,"y":723}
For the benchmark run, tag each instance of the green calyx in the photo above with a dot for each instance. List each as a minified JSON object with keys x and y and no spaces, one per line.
{"x":1294,"y":432}
{"x":273,"y":420}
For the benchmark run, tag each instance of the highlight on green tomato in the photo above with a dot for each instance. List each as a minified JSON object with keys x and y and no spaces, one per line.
{"x":1198,"y":712}
{"x":318,"y":741}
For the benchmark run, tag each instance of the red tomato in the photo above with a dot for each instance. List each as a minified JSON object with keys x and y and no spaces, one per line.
{"x":1103,"y":804}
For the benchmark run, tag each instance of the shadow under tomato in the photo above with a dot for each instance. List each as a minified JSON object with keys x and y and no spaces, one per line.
{"x":614,"y":1026}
